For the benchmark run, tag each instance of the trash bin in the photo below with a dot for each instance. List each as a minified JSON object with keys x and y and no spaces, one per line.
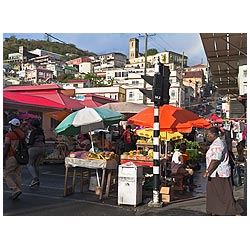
{"x":130,"y":184}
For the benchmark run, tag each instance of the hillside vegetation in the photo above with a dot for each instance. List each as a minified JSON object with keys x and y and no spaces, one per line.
{"x":11,"y":45}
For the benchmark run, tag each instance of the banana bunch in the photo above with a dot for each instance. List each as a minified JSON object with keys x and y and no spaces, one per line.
{"x":93,"y":155}
{"x":151,"y":153}
{"x":102,"y":155}
{"x":141,"y":141}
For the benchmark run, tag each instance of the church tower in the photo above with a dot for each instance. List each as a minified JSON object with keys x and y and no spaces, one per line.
{"x":133,"y":48}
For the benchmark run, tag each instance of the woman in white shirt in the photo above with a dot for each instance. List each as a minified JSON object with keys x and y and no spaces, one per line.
{"x":220,"y":199}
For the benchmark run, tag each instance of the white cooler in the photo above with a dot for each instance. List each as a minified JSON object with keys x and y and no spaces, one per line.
{"x":130,"y":184}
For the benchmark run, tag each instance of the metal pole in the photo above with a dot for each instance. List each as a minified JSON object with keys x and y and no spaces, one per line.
{"x":145,"y":66}
{"x":156,"y":158}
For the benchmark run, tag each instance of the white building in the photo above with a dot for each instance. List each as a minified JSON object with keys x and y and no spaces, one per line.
{"x":242,"y":80}
{"x":109,"y":61}
{"x":115,"y":92}
{"x":85,"y":67}
{"x":41,"y":52}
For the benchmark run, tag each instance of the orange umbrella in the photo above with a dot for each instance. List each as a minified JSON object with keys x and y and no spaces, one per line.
{"x":172,"y":119}
{"x":58,"y":115}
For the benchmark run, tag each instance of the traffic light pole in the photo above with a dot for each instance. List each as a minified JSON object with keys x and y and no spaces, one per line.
{"x":156,"y":158}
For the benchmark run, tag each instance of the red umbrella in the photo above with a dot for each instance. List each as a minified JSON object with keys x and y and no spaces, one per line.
{"x":214,"y":118}
{"x":172,"y":119}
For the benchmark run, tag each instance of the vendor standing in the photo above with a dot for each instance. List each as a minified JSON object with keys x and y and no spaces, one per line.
{"x":128,"y":140}
{"x":83,"y":142}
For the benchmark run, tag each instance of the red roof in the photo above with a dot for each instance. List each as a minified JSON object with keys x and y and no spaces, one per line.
{"x":90,"y":103}
{"x":93,"y":100}
{"x":50,"y":92}
{"x":77,"y":80}
{"x":193,"y":74}
{"x":32,"y":87}
{"x":30,"y":100}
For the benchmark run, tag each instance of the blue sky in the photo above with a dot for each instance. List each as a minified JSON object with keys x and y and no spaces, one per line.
{"x":100,"y":43}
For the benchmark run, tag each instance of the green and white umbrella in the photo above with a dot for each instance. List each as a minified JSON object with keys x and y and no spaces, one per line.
{"x":86,"y":120}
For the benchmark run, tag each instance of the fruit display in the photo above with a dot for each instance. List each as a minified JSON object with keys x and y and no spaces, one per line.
{"x":138,"y":155}
{"x":93,"y":155}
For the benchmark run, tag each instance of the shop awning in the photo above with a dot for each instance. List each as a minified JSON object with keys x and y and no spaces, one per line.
{"x":57,"y":97}
{"x":51,"y":93}
{"x":24,"y":99}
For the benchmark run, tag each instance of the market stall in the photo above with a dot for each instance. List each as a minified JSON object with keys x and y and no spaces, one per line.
{"x":78,"y":165}
{"x":81,"y":122}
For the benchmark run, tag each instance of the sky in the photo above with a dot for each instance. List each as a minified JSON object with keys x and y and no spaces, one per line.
{"x":101,"y":43}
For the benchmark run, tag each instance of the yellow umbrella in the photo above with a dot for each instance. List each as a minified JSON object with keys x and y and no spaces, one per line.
{"x":165,"y":136}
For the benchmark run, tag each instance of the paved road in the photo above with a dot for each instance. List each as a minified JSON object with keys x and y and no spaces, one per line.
{"x":48,"y":200}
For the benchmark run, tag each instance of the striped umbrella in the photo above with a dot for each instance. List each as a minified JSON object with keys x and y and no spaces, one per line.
{"x":86,"y":120}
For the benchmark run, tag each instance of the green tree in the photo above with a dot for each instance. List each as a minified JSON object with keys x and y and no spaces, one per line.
{"x":152,"y":52}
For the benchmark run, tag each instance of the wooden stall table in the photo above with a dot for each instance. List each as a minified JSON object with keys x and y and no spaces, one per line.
{"x":76,"y":163}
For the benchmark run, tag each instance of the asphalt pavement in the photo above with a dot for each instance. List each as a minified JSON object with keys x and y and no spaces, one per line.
{"x":48,"y":199}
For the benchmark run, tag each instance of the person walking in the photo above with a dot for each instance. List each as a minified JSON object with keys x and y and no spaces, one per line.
{"x":219,"y":191}
{"x":36,"y":146}
{"x":12,"y":169}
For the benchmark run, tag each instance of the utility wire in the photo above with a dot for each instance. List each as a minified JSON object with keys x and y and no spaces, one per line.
{"x":49,"y":35}
{"x":165,"y":42}
{"x":160,"y":48}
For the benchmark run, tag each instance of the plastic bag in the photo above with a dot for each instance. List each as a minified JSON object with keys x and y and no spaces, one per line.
{"x":236,"y":176}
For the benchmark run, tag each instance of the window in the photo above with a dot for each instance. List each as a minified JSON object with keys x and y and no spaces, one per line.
{"x":135,"y":82}
{"x":117,"y":74}
{"x":245,"y":73}
{"x":173,"y":93}
{"x":124,"y":74}
{"x":130,"y":95}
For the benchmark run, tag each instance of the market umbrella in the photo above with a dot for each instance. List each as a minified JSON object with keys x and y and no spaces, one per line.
{"x":125,"y":107}
{"x":172,"y":119}
{"x":86,"y":120}
{"x":214,"y":119}
{"x":165,"y":136}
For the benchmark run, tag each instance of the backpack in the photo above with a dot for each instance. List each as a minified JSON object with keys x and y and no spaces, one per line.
{"x":21,"y":152}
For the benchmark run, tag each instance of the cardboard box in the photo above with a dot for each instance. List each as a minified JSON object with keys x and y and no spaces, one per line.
{"x":166,"y":197}
{"x":167,"y":194}
{"x":165,"y":190}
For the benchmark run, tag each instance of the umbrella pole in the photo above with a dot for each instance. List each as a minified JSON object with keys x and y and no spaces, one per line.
{"x":92,"y":144}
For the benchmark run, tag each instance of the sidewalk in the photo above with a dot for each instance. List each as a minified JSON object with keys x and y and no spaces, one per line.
{"x":48,"y":199}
